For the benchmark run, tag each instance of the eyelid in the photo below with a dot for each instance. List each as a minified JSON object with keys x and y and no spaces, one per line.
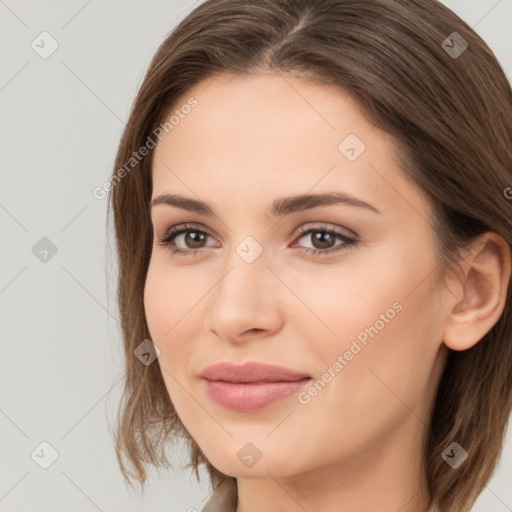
{"x":303,"y":228}
{"x":348,"y":233}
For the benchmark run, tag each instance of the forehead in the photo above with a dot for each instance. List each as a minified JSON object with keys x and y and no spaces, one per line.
{"x":280,"y":133}
{"x":286,"y":106}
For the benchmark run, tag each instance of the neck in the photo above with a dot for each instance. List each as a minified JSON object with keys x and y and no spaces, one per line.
{"x":383,"y":477}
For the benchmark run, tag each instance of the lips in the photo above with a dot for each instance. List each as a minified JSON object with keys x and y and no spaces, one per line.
{"x":251,"y":386}
{"x":251,"y":372}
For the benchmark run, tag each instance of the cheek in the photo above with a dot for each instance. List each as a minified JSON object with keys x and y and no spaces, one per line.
{"x":164,"y":307}
{"x":173,"y":316}
{"x":156,"y":302}
{"x":360,"y":300}
{"x":169,"y":297}
{"x":387,"y":336}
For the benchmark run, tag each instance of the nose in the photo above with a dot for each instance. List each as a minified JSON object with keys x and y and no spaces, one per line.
{"x":245,"y":303}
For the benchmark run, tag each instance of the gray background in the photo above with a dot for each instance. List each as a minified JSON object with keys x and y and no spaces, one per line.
{"x":61,"y":370}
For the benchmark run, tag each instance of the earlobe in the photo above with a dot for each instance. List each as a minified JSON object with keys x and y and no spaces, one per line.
{"x":484,"y":286}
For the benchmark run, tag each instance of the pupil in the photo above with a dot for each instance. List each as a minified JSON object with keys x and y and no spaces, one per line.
{"x":323,"y":238}
{"x":191,"y":235}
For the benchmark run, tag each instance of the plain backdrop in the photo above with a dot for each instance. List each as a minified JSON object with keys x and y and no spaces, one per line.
{"x":61,"y":367}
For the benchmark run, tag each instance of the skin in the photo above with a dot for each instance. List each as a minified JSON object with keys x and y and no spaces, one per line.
{"x":357,"y":444}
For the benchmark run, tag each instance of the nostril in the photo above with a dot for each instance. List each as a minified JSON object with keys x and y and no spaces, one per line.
{"x":254,"y":331}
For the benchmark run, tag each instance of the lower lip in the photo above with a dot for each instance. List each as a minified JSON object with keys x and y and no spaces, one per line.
{"x":247,"y":397}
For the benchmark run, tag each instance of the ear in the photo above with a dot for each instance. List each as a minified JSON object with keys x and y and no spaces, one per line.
{"x":483,"y":288}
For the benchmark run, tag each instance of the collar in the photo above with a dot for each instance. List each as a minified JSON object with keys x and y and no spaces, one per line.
{"x":224,"y":498}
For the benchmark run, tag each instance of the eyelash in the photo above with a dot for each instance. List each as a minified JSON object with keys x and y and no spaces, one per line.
{"x":173,"y":232}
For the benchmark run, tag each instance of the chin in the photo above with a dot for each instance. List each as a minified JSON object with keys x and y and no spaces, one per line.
{"x":255,"y":459}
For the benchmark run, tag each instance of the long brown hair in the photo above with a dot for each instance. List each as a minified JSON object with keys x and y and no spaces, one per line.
{"x":449,"y":108}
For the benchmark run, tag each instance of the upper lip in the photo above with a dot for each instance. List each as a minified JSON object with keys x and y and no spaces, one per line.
{"x":250,"y":372}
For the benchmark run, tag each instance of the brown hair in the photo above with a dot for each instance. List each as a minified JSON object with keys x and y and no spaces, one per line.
{"x":451,"y":118}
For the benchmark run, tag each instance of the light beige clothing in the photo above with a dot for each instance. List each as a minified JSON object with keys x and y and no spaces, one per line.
{"x":224,"y":498}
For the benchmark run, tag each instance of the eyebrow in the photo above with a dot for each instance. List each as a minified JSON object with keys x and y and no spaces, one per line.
{"x":280,"y":207}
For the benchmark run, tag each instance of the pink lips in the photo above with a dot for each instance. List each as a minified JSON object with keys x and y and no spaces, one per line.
{"x":250,"y":386}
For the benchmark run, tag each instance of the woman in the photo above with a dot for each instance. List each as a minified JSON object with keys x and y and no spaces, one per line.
{"x":312,"y":210}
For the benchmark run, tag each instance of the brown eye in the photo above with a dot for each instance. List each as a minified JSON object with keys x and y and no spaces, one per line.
{"x":192,"y":238}
{"x":323,"y":239}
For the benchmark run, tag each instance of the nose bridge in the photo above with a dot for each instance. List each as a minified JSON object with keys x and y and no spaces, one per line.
{"x":244,"y":296}
{"x":244,"y":249}
{"x":246,"y":272}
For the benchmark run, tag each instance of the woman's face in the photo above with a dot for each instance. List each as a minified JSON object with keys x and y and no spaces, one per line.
{"x":361,"y":319}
